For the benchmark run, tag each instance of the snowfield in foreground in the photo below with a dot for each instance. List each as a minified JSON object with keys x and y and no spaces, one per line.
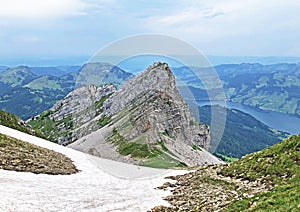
{"x":101,"y":185}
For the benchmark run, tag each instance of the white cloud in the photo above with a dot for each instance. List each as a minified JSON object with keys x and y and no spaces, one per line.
{"x":222,"y":27}
{"x":232,"y":26}
{"x":189,"y":15}
{"x":40,"y":9}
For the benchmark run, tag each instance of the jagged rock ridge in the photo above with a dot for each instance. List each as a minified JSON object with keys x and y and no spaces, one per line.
{"x":144,"y":122}
{"x":74,"y":116}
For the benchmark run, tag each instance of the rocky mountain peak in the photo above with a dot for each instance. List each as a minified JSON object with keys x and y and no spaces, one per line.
{"x":144,"y":121}
{"x":156,"y":77}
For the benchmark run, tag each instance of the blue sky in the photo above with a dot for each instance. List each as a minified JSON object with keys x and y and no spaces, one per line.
{"x":38,"y":29}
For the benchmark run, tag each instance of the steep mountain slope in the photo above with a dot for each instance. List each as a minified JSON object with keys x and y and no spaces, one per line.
{"x":145,"y":121}
{"x":267,"y":180}
{"x":243,"y":134}
{"x":14,"y":122}
{"x":75,"y":116}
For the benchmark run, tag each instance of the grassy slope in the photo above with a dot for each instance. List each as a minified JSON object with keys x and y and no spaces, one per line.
{"x":48,"y":82}
{"x":14,"y":122}
{"x":151,"y":155}
{"x":21,"y":156}
{"x":279,"y":166}
{"x":267,"y":180}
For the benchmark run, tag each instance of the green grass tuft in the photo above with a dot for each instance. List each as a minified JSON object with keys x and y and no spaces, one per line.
{"x":104,"y":121}
{"x":225,"y":158}
{"x":196,"y":147}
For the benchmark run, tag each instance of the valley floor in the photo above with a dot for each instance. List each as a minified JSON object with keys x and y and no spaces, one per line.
{"x":101,"y":185}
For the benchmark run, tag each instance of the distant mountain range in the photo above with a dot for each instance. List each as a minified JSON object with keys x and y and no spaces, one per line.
{"x":268,"y":60}
{"x":142,"y":61}
{"x":54,"y":71}
{"x":272,"y":87}
{"x":26,"y":93}
{"x":268,"y":87}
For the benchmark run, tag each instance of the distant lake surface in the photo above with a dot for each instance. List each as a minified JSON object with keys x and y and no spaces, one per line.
{"x":280,"y":121}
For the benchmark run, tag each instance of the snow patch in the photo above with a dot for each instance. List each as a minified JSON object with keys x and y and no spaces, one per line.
{"x":94,"y":188}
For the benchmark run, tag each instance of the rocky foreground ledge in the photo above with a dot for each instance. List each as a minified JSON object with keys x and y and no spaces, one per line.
{"x":205,"y":189}
{"x":17,"y":155}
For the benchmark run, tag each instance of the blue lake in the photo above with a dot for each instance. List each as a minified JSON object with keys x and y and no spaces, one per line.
{"x":280,"y":121}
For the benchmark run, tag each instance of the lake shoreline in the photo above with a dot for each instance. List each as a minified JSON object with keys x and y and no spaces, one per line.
{"x":279,"y":121}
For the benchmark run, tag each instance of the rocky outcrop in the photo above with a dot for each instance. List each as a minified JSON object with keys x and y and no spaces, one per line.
{"x":145,"y":121}
{"x":74,"y":116}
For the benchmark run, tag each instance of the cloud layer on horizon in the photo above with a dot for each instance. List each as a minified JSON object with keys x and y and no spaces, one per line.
{"x":81,"y":27}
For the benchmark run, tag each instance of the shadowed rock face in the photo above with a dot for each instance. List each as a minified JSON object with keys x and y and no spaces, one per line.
{"x":145,"y":118}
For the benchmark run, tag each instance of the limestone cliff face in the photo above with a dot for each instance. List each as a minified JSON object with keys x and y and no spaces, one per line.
{"x":74,"y":116}
{"x":144,"y":122}
{"x":157,"y":106}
